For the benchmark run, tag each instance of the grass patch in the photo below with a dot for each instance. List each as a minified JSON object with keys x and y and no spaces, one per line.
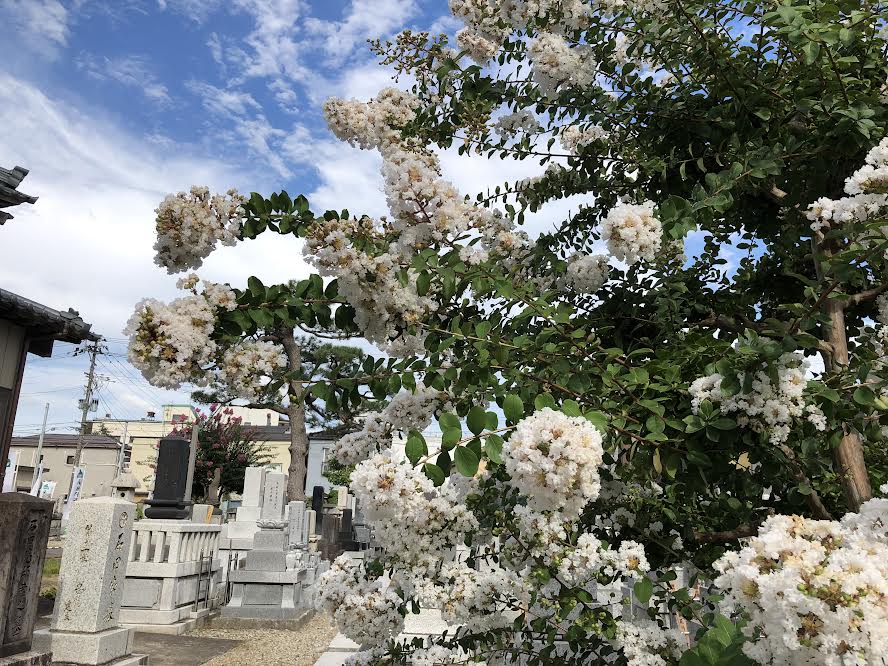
{"x":51,"y":566}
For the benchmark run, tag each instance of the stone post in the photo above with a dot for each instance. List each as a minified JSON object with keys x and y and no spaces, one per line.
{"x":296,"y":511}
{"x":85,"y":625}
{"x":24,"y":531}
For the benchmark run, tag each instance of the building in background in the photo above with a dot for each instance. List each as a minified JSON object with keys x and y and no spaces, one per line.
{"x":100,"y":459}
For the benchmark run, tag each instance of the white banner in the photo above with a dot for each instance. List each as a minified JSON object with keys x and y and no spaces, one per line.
{"x":76,"y":486}
{"x":11,"y":472}
{"x":37,"y":479}
{"x":47,"y":489}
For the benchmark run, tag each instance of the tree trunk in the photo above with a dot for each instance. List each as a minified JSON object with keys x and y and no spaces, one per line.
{"x":848,"y":455}
{"x":296,"y":414}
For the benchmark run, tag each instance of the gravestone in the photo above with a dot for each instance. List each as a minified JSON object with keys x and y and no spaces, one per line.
{"x":171,"y":481}
{"x":273,"y":497}
{"x":24,"y":531}
{"x":308,"y":527}
{"x":317,"y":505}
{"x":346,"y":536}
{"x":342,"y":498}
{"x":296,"y":511}
{"x":85,"y":625}
{"x":254,"y":487}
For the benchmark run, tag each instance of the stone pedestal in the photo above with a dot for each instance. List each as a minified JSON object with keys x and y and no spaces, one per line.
{"x":263,"y":588}
{"x":85,"y":627}
{"x":24,"y":530}
{"x":173,"y":567}
{"x":171,"y":481}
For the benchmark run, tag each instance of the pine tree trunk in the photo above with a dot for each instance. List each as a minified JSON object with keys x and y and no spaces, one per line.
{"x":296,"y":414}
{"x":848,"y":455}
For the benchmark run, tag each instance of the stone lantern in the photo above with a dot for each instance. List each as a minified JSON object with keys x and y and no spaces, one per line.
{"x":125,"y":486}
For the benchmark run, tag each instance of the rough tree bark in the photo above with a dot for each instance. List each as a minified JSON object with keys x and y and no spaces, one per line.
{"x":848,"y":455}
{"x":296,"y":414}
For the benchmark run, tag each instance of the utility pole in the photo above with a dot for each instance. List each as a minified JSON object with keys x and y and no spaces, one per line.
{"x":93,"y":350}
{"x":122,"y":453}
{"x":42,"y":433}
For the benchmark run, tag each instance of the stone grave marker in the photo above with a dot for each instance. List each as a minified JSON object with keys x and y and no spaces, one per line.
{"x":85,"y":625}
{"x":296,"y":511}
{"x":24,"y":530}
{"x":273,"y":497}
{"x":171,"y":481}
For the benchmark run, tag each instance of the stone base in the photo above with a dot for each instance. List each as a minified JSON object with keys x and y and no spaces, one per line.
{"x":261,"y":612}
{"x":263,"y":623}
{"x":29,"y":658}
{"x":131,"y":660}
{"x":69,"y":647}
{"x":196,"y":620}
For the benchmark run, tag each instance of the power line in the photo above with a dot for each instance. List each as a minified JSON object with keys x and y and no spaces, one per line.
{"x":143,"y":392}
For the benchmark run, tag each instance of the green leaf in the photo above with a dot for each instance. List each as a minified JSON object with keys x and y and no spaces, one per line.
{"x":571,"y":408}
{"x":477,"y":419}
{"x":513,"y":408}
{"x":434,"y":473}
{"x":598,"y":419}
{"x":422,"y":283}
{"x":466,"y":461}
{"x":643,"y":589}
{"x":493,"y":447}
{"x":544,"y":400}
{"x":448,"y":420}
{"x":864,"y":396}
{"x":416,"y":447}
{"x":450,"y":437}
{"x":724,"y":423}
{"x":255,"y":286}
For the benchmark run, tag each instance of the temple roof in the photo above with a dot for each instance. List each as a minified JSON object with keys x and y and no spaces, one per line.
{"x":9,"y":194}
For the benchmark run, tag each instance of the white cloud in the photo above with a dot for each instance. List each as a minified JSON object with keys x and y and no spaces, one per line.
{"x":196,"y":10}
{"x":43,"y":24}
{"x":87,"y":242}
{"x":131,"y":71}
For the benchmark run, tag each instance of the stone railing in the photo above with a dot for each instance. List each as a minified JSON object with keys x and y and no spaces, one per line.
{"x":172,"y":576}
{"x":165,"y":542}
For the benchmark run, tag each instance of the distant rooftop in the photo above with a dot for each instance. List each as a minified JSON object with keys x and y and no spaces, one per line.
{"x":67,"y":441}
{"x":9,"y":194}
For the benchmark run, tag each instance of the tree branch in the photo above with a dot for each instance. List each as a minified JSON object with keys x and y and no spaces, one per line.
{"x":814,"y":503}
{"x":867,"y":295}
{"x":740,"y":532}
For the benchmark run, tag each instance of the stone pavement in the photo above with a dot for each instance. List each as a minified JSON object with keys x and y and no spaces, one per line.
{"x":180,"y":650}
{"x":426,"y":623}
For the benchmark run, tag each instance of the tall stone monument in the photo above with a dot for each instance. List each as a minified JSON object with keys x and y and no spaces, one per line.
{"x":24,"y":531}
{"x":85,"y":625}
{"x":171,"y":481}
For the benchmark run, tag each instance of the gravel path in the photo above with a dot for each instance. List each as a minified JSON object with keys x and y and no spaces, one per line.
{"x":268,"y":647}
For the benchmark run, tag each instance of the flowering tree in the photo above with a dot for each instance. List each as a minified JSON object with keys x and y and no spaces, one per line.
{"x":693,"y":357}
{"x":224,"y":446}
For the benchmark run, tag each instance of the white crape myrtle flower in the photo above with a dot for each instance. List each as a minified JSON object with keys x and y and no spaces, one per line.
{"x":632,"y":231}
{"x":412,"y":519}
{"x":589,"y":558}
{"x":586,"y":273}
{"x":170,"y":343}
{"x":414,"y":411}
{"x":553,"y":460}
{"x":868,"y":194}
{"x":372,"y":124}
{"x":365,"y":657}
{"x":573,"y":138}
{"x":767,"y":407}
{"x":357,"y":446}
{"x":190,"y":224}
{"x":478,"y":598}
{"x":247,"y":367}
{"x":365,"y":610}
{"x":815,"y":591}
{"x":513,"y":124}
{"x":556,"y":64}
{"x":438,"y":655}
{"x":646,"y":643}
{"x":478,"y":47}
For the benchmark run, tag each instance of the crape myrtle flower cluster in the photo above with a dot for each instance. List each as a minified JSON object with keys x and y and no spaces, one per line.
{"x":406,"y":411}
{"x":815,"y":591}
{"x":191,"y":224}
{"x":867,"y":190}
{"x":772,"y":408}
{"x":246,"y":366}
{"x":170,"y":343}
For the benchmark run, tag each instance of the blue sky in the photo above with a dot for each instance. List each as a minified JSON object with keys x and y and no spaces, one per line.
{"x":112,"y":104}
